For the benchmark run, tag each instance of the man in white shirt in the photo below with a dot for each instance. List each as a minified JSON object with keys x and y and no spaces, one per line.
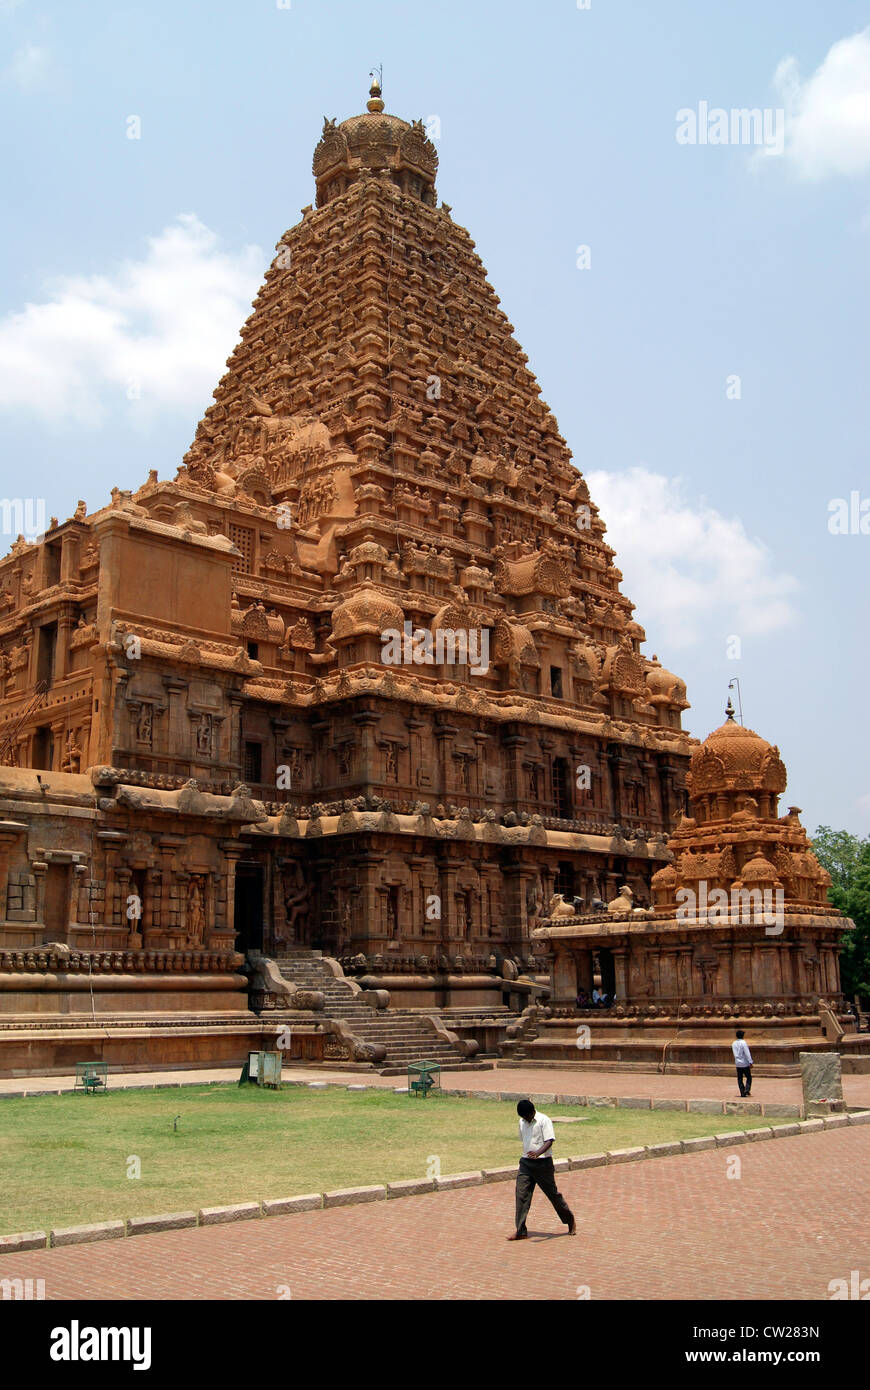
{"x":536,"y":1169}
{"x":743,"y":1063}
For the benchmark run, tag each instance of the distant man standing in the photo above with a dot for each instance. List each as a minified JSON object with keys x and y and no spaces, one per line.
{"x":743,"y":1063}
{"x":536,"y":1169}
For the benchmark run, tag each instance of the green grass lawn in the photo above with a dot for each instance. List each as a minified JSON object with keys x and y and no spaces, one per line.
{"x":64,"y":1159}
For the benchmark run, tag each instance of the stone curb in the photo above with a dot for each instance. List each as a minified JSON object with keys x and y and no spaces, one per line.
{"x":241,"y":1211}
{"x":149,"y":1225}
{"x":445,"y":1184}
{"x":82,"y":1235}
{"x":351,"y":1196}
{"x":25,"y":1240}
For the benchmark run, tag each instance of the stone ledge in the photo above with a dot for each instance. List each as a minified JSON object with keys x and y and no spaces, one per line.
{"x":633,"y":1103}
{"x":286,"y":1206}
{"x":662,"y":1104}
{"x":173,"y":1221}
{"x":706,"y":1107}
{"x":83,"y":1235}
{"x":561,"y":1165}
{"x":763,"y":1132}
{"x":601,"y":1102}
{"x":500,"y":1174}
{"x":410,"y":1187}
{"x":664,"y":1150}
{"x":835,"y":1121}
{"x":690,"y":1146}
{"x":731,"y":1136}
{"x":811,"y":1126}
{"x":779,"y":1111}
{"x":859,"y":1117}
{"x":588,"y":1161}
{"x":24,"y":1240}
{"x":351,"y":1196}
{"x":743,"y":1107}
{"x":786,"y":1131}
{"x":241,"y":1211}
{"x":625,"y":1155}
{"x":458,"y":1180}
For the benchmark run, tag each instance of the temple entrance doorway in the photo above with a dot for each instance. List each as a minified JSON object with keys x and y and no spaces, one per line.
{"x":248,"y":919}
{"x":607,"y":973}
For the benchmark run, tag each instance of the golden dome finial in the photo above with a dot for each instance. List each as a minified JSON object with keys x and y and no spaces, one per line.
{"x":375,"y":103}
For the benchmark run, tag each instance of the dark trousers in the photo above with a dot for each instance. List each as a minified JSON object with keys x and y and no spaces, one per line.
{"x":538,"y":1172}
{"x":744,"y":1080}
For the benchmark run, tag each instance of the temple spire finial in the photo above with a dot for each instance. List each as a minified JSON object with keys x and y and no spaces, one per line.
{"x":729,"y":710}
{"x":375,"y":102}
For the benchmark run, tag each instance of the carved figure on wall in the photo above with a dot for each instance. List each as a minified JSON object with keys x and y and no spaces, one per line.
{"x":195,"y":911}
{"x":204,"y":735}
{"x":145,"y":724}
{"x":296,"y":894}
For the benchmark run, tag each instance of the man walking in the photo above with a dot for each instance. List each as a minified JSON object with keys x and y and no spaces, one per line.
{"x":743,"y":1063}
{"x":536,"y":1169}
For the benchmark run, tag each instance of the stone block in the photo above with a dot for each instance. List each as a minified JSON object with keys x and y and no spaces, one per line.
{"x":411,"y":1187}
{"x":602,"y":1102}
{"x":352,"y":1196}
{"x":542,"y":1099}
{"x":811,"y":1126}
{"x":356,"y":1088}
{"x":561,"y":1165}
{"x":286,"y":1206}
{"x":484,"y":1095}
{"x":588,"y":1161}
{"x":570,"y":1100}
{"x":625,"y":1155}
{"x":174,"y":1221}
{"x":458,"y":1180}
{"x":762,"y":1132}
{"x":691,"y":1146}
{"x":241,"y":1211}
{"x":513,"y":1095}
{"x":662,"y":1104}
{"x":664,"y":1150}
{"x":500,"y":1174}
{"x":83,"y":1235}
{"x":707,"y":1107}
{"x":778,"y":1111}
{"x":24,"y":1240}
{"x":730,"y":1138}
{"x":317,"y":1085}
{"x":859,"y":1117}
{"x":785,"y":1131}
{"x":743,"y":1107}
{"x":821,"y":1076}
{"x":633,"y":1103}
{"x":835,"y":1121}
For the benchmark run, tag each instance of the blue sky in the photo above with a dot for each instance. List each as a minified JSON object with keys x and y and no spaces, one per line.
{"x":129,"y":265}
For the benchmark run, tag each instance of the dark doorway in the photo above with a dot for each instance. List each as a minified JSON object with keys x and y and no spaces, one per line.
{"x":57,"y":896}
{"x":607,"y":970}
{"x":248,"y":920}
{"x":561,"y":793}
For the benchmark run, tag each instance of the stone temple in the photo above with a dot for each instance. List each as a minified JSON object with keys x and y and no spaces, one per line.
{"x":319,"y":728}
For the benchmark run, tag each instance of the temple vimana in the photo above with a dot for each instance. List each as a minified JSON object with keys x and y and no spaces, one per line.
{"x":346,"y":730}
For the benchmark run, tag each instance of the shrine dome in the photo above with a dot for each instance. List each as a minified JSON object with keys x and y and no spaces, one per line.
{"x":375,"y":142}
{"x":734,"y":758}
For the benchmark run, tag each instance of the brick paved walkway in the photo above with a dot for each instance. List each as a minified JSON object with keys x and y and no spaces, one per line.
{"x":672,"y":1228}
{"x":533,"y":1080}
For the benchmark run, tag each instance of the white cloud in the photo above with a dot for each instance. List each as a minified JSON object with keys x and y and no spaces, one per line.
{"x":28,"y":66}
{"x":828,"y":115}
{"x":690,"y":570}
{"x":161,"y":326}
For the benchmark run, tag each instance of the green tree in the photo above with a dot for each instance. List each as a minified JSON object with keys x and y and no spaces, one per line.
{"x":847,"y":859}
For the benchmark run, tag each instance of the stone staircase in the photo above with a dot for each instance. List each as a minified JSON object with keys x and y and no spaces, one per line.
{"x":404,"y":1033}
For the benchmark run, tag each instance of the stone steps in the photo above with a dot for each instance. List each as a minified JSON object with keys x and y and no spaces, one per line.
{"x":405,"y":1036}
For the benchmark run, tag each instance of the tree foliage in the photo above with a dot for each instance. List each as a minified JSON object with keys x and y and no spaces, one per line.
{"x":847,"y":859}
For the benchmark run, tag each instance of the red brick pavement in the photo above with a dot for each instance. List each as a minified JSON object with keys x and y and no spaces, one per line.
{"x":671,"y":1228}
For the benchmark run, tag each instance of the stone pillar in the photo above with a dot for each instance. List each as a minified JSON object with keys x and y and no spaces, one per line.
{"x":231,"y":852}
{"x":564,"y":973}
{"x":620,"y":964}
